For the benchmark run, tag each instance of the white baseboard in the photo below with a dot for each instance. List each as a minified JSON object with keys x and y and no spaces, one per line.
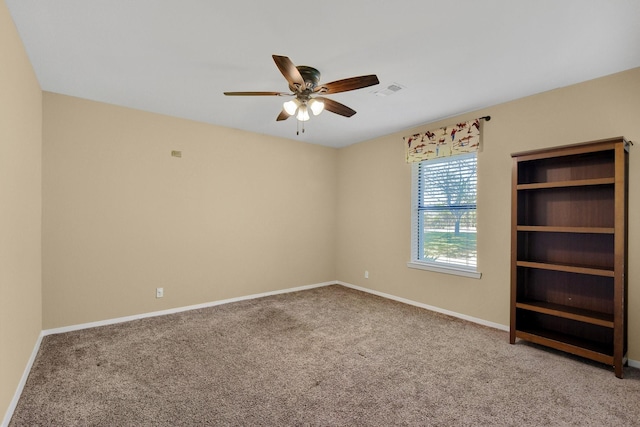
{"x":428,"y":307}
{"x":16,"y":396}
{"x":178,"y":309}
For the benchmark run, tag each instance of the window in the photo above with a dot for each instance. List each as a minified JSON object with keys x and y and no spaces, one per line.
{"x":444,"y":215}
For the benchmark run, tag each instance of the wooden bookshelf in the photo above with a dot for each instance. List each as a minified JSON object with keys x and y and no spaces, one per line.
{"x":569,"y":249}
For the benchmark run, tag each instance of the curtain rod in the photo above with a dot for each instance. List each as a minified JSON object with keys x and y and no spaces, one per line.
{"x":487,"y":118}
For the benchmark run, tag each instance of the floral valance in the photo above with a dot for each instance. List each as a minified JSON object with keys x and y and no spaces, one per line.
{"x":444,"y":142}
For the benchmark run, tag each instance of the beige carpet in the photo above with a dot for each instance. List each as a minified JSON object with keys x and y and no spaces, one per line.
{"x":327,"y":356}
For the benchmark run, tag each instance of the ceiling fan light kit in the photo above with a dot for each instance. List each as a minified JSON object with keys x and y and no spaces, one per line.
{"x":302,"y":108}
{"x":304,"y":84}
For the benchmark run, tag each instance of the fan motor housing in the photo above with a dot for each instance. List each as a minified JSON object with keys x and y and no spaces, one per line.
{"x":310,"y":75}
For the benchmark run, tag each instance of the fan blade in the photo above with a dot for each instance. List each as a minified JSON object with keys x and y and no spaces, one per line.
{"x":336,"y":107}
{"x":351,"y":83}
{"x":289,"y":71}
{"x":282,"y":116}
{"x":256,"y":94}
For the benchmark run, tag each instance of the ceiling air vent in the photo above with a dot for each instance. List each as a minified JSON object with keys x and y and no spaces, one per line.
{"x":389,"y":90}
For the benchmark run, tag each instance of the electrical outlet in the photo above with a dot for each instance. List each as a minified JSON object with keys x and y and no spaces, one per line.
{"x":159,"y":292}
{"x":366,"y":274}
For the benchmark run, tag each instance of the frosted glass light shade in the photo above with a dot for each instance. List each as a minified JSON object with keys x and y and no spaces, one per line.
{"x":317,"y":106}
{"x":291,"y":106}
{"x":303,"y":114}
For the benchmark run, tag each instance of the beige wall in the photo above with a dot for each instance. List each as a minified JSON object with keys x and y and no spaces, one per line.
{"x":374,"y":197}
{"x":238,"y":214}
{"x":20,"y":209}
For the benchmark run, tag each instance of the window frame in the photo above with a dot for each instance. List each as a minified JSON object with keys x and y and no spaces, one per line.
{"x":417,"y":225}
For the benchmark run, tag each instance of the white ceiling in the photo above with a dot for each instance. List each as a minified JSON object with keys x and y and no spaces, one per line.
{"x":452,"y":56}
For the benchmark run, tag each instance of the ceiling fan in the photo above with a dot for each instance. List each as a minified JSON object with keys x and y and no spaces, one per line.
{"x":305,"y":87}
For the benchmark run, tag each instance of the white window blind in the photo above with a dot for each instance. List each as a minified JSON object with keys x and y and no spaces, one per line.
{"x":444,"y":212}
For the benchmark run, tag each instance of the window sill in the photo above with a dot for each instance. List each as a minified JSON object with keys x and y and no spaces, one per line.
{"x":446,"y":269}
